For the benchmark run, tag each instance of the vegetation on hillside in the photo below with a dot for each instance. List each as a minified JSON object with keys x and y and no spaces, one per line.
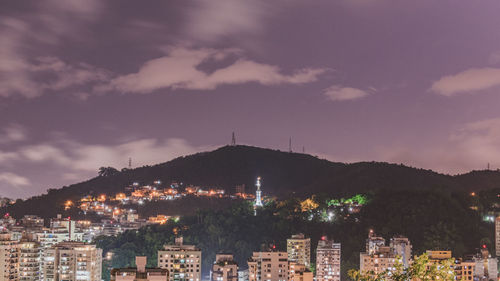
{"x":430,"y":219}
{"x":284,"y":174}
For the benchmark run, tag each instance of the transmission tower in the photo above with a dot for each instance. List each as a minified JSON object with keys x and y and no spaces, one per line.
{"x":233,"y":140}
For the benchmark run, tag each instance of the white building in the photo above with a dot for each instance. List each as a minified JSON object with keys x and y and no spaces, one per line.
{"x":328,"y":260}
{"x":72,"y":261}
{"x":224,"y":268}
{"x":299,"y":249}
{"x":183,"y":262}
{"x":486,"y":267}
{"x":268,"y":266}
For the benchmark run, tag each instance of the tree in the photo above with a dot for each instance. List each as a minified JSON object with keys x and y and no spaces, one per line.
{"x":421,"y":269}
{"x":107,"y":171}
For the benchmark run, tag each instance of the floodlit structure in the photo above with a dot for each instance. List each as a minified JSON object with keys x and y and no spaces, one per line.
{"x":224,"y":268}
{"x":139,"y":273}
{"x":299,"y":249}
{"x":72,"y":261}
{"x":258,"y":194}
{"x":268,"y":266}
{"x":183,"y":262}
{"x":328,"y":260}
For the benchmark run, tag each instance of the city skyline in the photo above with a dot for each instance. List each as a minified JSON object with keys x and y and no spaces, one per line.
{"x":90,"y":84}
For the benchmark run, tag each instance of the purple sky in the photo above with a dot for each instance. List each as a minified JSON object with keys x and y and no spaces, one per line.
{"x":85,"y":84}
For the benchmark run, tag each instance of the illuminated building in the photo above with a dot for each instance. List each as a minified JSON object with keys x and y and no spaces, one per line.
{"x":224,"y":268}
{"x":379,"y":257}
{"x":328,"y":260}
{"x":497,"y":236}
{"x":299,"y":249}
{"x":9,"y":258}
{"x":139,"y":273}
{"x":183,"y":262}
{"x":72,"y":261}
{"x":486,"y":267}
{"x":29,"y":260}
{"x":268,"y":266}
{"x":299,"y":272}
{"x":464,"y":270}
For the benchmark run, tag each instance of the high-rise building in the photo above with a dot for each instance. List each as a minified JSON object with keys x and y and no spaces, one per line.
{"x":299,"y":249}
{"x":486,"y":267}
{"x":139,"y":273}
{"x":9,"y":258}
{"x":72,"y":261}
{"x":497,"y":236}
{"x":401,"y":247}
{"x":299,"y":272}
{"x":224,"y":268}
{"x":30,"y":255}
{"x":379,"y":257}
{"x":183,"y":262}
{"x":268,"y":266}
{"x":328,"y":260}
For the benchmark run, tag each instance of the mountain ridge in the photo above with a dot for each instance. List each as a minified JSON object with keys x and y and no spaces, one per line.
{"x":284,"y":174}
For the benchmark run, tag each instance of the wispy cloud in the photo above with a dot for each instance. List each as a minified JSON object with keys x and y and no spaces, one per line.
{"x":21,"y":67}
{"x":13,"y":180}
{"x":468,"y":81}
{"x":13,"y":133}
{"x":180,"y":70}
{"x":339,"y":93}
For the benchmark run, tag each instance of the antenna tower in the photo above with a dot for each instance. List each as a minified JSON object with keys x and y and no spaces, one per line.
{"x":290,"y":145}
{"x":130,"y":162}
{"x":233,"y":140}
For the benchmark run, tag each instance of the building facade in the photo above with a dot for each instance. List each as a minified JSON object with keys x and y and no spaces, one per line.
{"x":299,"y":249}
{"x":30,"y":261}
{"x":139,"y":273}
{"x":72,"y":261}
{"x":268,"y":266}
{"x":378,"y":257}
{"x":299,"y":272}
{"x":9,"y":258}
{"x":328,"y":260}
{"x":224,"y":268}
{"x":183,"y":262}
{"x":497,"y":236}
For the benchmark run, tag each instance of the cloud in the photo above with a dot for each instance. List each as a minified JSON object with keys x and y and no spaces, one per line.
{"x":470,"y":147}
{"x":25,"y":36}
{"x":468,"y":81}
{"x":13,"y":180}
{"x":210,"y":20}
{"x":13,"y":133}
{"x":338,"y":93}
{"x":77,"y":157}
{"x":180,"y":69}
{"x":494,"y":57}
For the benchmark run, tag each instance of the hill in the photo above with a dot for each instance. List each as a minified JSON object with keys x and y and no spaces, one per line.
{"x":284,"y":174}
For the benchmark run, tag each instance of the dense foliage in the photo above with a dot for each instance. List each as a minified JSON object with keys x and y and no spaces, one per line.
{"x":283,"y":174}
{"x":431,"y":219}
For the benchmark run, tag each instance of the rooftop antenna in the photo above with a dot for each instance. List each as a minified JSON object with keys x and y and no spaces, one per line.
{"x":233,"y":140}
{"x":303,"y":150}
{"x":488,"y":166}
{"x":290,"y":145}
{"x":130,"y":162}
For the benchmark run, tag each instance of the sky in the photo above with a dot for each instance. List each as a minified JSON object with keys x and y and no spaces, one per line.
{"x":86,"y":84}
